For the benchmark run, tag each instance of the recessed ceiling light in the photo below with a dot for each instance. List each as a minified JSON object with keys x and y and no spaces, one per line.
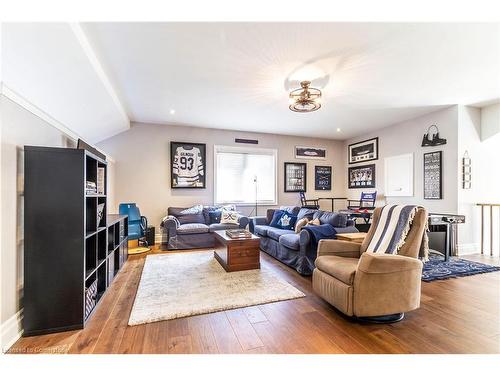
{"x":338,"y":129}
{"x":172,"y":111}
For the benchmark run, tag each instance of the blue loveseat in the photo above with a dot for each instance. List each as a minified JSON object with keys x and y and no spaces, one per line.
{"x":296,"y":250}
{"x":181,"y":230}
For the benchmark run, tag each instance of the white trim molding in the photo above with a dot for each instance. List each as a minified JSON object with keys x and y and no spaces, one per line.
{"x":468,"y":248}
{"x":11,"y":330}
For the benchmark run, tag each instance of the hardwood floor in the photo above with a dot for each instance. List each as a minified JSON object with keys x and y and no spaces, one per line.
{"x":456,"y":316}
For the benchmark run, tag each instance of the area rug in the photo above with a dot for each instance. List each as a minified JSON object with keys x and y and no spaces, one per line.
{"x":184,"y":284}
{"x":437,"y":269}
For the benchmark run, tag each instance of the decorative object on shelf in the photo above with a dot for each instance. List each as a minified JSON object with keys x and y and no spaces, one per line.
{"x":363,"y":151}
{"x":435,"y":140}
{"x":310,"y":152}
{"x":322,"y":177}
{"x":305,"y":99}
{"x":433,"y":170}
{"x":361,"y":177}
{"x":100,"y":214}
{"x":466,"y":171}
{"x":187,"y":165}
{"x":295,"y":177}
{"x":90,"y":187}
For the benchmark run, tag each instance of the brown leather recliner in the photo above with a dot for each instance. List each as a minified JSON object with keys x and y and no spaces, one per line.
{"x":375,"y":287}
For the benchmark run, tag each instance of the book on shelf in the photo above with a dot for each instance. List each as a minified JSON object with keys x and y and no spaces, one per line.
{"x":238,"y":233}
{"x":90,"y":187}
{"x":100,"y":180}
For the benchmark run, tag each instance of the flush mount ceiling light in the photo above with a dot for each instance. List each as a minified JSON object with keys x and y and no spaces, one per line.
{"x":305,"y":99}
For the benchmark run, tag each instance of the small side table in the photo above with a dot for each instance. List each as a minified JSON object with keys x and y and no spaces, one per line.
{"x":150,"y":235}
{"x":352,"y":237}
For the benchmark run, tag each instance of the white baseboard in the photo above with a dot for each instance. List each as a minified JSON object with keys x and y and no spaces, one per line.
{"x":11,"y":330}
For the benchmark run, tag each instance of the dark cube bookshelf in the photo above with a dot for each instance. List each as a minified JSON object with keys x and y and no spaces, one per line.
{"x":70,"y":255}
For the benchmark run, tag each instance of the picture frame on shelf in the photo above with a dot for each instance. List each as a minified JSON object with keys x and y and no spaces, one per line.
{"x":310,"y":152}
{"x":295,"y":177}
{"x":433,"y":175}
{"x":363,"y":151}
{"x":322,"y":177}
{"x":361,"y":177}
{"x":188,"y":165}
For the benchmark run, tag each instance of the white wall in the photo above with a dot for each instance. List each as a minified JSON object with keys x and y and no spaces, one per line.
{"x":142,"y":162}
{"x":19,"y":127}
{"x":406,"y":137}
{"x":490,"y":121}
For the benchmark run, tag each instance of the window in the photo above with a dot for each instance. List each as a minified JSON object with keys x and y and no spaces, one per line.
{"x":243,"y":175}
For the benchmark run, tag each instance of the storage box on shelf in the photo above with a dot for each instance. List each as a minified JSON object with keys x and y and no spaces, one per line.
{"x":67,"y":266}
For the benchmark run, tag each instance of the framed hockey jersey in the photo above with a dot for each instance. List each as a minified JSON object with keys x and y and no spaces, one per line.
{"x":187,"y":165}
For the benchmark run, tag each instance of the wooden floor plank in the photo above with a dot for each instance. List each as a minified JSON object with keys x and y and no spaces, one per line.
{"x":456,"y":316}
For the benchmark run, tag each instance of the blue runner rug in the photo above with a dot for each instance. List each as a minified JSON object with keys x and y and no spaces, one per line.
{"x":437,"y":269}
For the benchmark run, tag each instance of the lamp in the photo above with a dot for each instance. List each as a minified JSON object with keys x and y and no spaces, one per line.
{"x":305,"y":99}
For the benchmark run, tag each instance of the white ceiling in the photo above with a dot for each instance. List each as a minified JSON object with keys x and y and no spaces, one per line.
{"x":51,"y":66}
{"x":235,"y":75}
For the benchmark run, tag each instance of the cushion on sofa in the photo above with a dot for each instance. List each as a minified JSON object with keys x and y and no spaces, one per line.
{"x":341,"y":268}
{"x":186,"y":219}
{"x":334,"y":219}
{"x":291,"y":241}
{"x":219,"y":226}
{"x":192,"y":228}
{"x":261,"y":230}
{"x":276,"y":217}
{"x":306,"y":213}
{"x":275,"y":233}
{"x":294,"y":210}
{"x":197,"y":209}
{"x":229,"y":217}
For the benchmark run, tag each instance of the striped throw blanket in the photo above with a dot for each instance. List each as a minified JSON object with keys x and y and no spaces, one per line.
{"x":394,"y":224}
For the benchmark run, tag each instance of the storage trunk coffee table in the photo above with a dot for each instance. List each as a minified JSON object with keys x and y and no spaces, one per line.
{"x":238,"y":254}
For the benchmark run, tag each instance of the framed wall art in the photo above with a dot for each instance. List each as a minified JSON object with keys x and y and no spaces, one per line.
{"x":433,"y":175}
{"x":322,"y":177}
{"x":187,"y":165}
{"x":295,"y":177}
{"x":363,"y":151}
{"x":310,"y":152}
{"x":361,"y":177}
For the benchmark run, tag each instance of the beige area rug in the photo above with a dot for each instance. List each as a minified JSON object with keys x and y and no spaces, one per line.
{"x":184,"y":284}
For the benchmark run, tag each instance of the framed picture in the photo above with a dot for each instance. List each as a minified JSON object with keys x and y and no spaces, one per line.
{"x":322,"y":177}
{"x":309,"y":152}
{"x":361,"y":177}
{"x":295,"y":177}
{"x":188,"y":165}
{"x":363,"y":151}
{"x":433,"y":175}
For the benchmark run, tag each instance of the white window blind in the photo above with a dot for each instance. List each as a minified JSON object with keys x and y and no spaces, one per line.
{"x":243,"y":175}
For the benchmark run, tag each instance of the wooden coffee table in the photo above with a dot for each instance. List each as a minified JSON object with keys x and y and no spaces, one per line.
{"x":238,"y":254}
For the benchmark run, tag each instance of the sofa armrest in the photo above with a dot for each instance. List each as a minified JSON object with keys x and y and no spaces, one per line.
{"x":340,"y":248}
{"x":372,"y":263}
{"x":256,"y":220}
{"x":386,"y":284}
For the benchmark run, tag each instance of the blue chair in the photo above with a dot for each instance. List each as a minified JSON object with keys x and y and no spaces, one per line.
{"x":366,"y":202}
{"x":137,"y":224}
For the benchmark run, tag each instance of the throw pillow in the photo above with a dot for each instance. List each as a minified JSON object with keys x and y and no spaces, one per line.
{"x":314,"y":222}
{"x":287,"y":221}
{"x":214,"y":216}
{"x":229,"y":217}
{"x":301,"y":224}
{"x":276,"y":217}
{"x":229,"y":207}
{"x":192,"y":210}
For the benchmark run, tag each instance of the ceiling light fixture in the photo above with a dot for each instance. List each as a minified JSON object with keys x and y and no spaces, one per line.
{"x":305,"y":99}
{"x":172,"y":111}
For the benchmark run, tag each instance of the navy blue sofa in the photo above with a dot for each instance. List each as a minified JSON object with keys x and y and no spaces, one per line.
{"x":296,"y":250}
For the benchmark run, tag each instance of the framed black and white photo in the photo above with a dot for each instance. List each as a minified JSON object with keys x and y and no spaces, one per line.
{"x":322,"y":177}
{"x":295,"y":177}
{"x":361,"y":177}
{"x":363,"y":151}
{"x":187,"y":165}
{"x":433,"y":175}
{"x":309,"y":152}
